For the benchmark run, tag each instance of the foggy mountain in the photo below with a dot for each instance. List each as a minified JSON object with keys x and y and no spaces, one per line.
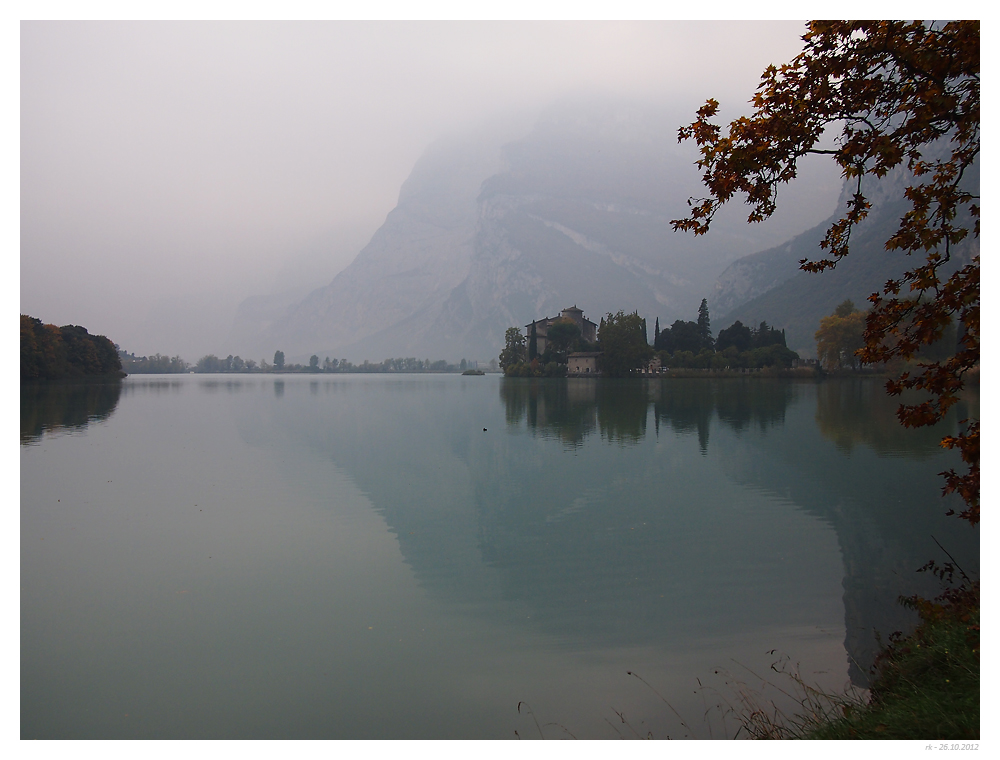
{"x":770,"y":286}
{"x":412,"y":263}
{"x":490,"y":233}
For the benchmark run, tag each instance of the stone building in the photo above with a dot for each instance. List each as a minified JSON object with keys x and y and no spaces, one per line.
{"x":582,"y":363}
{"x":588,"y":329}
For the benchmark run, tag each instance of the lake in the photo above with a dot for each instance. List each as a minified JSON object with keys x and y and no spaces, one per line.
{"x":439,"y":556}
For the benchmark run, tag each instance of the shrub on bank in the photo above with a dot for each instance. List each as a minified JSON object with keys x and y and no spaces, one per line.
{"x":535,"y":368}
{"x":927,"y":684}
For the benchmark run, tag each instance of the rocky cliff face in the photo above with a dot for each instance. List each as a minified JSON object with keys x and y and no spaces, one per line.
{"x":770,"y":286}
{"x":488,"y":235}
{"x":754,"y":275}
{"x":409,"y":267}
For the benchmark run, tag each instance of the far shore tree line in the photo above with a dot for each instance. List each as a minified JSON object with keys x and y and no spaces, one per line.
{"x":210,"y":363}
{"x":50,"y":352}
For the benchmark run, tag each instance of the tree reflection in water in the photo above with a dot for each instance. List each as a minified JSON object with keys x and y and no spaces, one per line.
{"x":854,"y":411}
{"x":573,"y":409}
{"x":55,"y":406}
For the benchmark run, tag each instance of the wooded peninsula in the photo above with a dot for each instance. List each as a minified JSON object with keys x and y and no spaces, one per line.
{"x":52,"y":353}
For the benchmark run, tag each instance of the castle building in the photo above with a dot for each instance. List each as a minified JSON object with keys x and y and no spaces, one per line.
{"x":588,"y":329}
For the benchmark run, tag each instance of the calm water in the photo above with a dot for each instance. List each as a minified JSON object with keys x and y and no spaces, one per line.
{"x":412,"y":556}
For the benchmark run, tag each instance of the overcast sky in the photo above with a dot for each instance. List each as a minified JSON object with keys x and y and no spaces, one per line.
{"x":170,"y":169}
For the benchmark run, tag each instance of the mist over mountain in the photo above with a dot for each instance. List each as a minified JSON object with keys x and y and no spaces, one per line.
{"x":413,"y":261}
{"x":770,"y":286}
{"x":206,"y":163}
{"x":491,"y":232}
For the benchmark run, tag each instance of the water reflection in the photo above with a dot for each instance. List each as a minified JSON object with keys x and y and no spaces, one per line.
{"x":155,"y":386}
{"x":586,"y":540}
{"x":747,"y":403}
{"x":525,"y":522}
{"x":690,"y":405}
{"x":849,"y":412}
{"x":560,"y":409}
{"x":622,"y":410}
{"x":687,"y":408}
{"x":630,"y":544}
{"x":830,"y":458}
{"x":51,"y":407}
{"x":571,"y":410}
{"x":229,"y":384}
{"x":852,"y":412}
{"x":539,"y":513}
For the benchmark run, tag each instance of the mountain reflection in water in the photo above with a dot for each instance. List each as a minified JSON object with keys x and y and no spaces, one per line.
{"x":886,"y":521}
{"x":371,"y":556}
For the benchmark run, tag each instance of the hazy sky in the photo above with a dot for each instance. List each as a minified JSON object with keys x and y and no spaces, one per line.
{"x":170,"y":169}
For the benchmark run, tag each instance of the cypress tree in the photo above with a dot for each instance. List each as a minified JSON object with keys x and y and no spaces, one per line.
{"x":704,"y":325}
{"x":533,"y":343}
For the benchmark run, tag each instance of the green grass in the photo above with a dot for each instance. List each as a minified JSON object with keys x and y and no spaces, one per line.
{"x":927,"y":684}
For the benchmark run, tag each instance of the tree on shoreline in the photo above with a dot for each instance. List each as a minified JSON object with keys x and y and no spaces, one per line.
{"x":50,"y":353}
{"x":623,"y":343}
{"x":705,"y":325}
{"x":513,"y":352}
{"x":840,"y":337}
{"x":901,"y":94}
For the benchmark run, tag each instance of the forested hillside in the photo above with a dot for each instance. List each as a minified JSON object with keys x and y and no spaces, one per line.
{"x":49,"y":352}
